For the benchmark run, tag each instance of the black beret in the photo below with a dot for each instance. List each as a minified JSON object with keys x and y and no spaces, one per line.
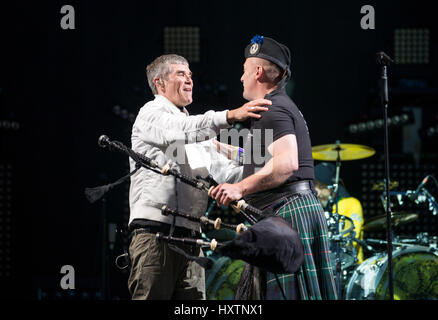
{"x":269,"y":49}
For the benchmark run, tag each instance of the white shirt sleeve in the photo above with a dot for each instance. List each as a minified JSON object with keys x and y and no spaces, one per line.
{"x":222,"y":169}
{"x":161,"y":128}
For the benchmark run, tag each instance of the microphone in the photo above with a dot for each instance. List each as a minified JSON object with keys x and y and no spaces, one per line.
{"x":420,"y":186}
{"x":103,"y":141}
{"x":383,"y":58}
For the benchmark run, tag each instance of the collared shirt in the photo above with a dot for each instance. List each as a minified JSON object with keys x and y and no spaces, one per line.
{"x":163,"y":133}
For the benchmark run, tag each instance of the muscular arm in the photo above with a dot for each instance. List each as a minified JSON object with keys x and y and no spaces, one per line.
{"x":281,"y":166}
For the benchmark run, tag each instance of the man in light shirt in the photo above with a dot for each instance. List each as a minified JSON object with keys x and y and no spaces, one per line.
{"x":162,"y":127}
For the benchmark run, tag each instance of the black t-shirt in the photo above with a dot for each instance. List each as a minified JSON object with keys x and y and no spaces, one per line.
{"x":282,"y":118}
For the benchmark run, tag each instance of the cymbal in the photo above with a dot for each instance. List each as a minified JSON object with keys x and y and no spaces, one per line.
{"x":347,"y":151}
{"x":379,"y":222}
{"x":380,"y":186}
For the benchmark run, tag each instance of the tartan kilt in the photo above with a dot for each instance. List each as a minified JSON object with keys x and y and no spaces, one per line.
{"x":314,"y":280}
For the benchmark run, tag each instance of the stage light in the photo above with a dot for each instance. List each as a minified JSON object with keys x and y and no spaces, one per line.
{"x":116,"y":110}
{"x":352,"y":128}
{"x":9,"y":125}
{"x":379,"y":123}
{"x":373,"y":125}
{"x":370,"y":125}
{"x":184,"y":40}
{"x":123,"y":113}
{"x":411,"y":45}
{"x":432,"y":131}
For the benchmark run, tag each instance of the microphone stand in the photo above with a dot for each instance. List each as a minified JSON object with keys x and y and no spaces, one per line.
{"x":384,"y":61}
{"x":104,"y":257}
{"x":338,"y":248}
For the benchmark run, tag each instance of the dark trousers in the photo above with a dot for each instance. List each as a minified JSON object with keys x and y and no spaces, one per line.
{"x":159,"y":273}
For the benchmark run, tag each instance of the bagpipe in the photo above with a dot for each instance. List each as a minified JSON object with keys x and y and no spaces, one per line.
{"x":203,"y":220}
{"x":269,"y":242}
{"x":251,"y":214}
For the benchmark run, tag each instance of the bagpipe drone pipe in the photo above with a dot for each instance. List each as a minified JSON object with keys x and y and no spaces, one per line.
{"x":267,"y":242}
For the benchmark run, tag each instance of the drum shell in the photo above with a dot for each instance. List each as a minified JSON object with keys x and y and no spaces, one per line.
{"x":222,"y":279}
{"x":415,"y":274}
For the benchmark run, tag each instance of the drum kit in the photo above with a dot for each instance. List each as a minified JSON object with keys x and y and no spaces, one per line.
{"x":414,"y":260}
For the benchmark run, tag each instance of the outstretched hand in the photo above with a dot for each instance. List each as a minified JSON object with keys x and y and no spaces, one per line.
{"x":248,"y":110}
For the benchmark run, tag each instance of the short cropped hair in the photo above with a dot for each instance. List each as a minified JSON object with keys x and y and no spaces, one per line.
{"x":160,"y":68}
{"x":273,"y":72}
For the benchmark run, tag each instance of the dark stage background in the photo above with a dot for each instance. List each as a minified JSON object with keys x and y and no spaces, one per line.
{"x":61,"y":89}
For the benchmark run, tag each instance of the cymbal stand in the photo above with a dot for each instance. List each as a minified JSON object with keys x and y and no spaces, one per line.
{"x":337,"y":243}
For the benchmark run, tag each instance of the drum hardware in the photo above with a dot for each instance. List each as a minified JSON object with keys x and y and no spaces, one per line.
{"x":379,"y":263}
{"x":340,"y":152}
{"x":415,"y":269}
{"x":397,"y":219}
{"x":380,"y":186}
{"x":423,"y":238}
{"x":406,"y":243}
{"x":337,"y":234}
{"x":370,"y":280}
{"x":433,"y":242}
{"x":364,"y":245}
{"x":419,"y":195}
{"x":433,"y":205}
{"x":422,"y":247}
{"x":342,"y":240}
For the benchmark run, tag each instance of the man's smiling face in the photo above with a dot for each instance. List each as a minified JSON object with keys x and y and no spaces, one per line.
{"x":179,"y":85}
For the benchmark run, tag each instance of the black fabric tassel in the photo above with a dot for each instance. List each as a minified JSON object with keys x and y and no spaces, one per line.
{"x":94,"y":194}
{"x":252,"y":284}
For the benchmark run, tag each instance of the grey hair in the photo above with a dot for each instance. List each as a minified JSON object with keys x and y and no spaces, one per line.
{"x":160,"y":68}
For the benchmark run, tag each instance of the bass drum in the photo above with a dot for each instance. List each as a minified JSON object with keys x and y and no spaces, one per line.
{"x":222,"y":279}
{"x":415,"y":273}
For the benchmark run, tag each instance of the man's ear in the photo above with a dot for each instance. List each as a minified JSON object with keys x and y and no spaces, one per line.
{"x":159,"y":83}
{"x":259,"y":72}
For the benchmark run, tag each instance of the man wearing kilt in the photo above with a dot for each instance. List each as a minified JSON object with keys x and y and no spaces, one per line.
{"x":278,"y":172}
